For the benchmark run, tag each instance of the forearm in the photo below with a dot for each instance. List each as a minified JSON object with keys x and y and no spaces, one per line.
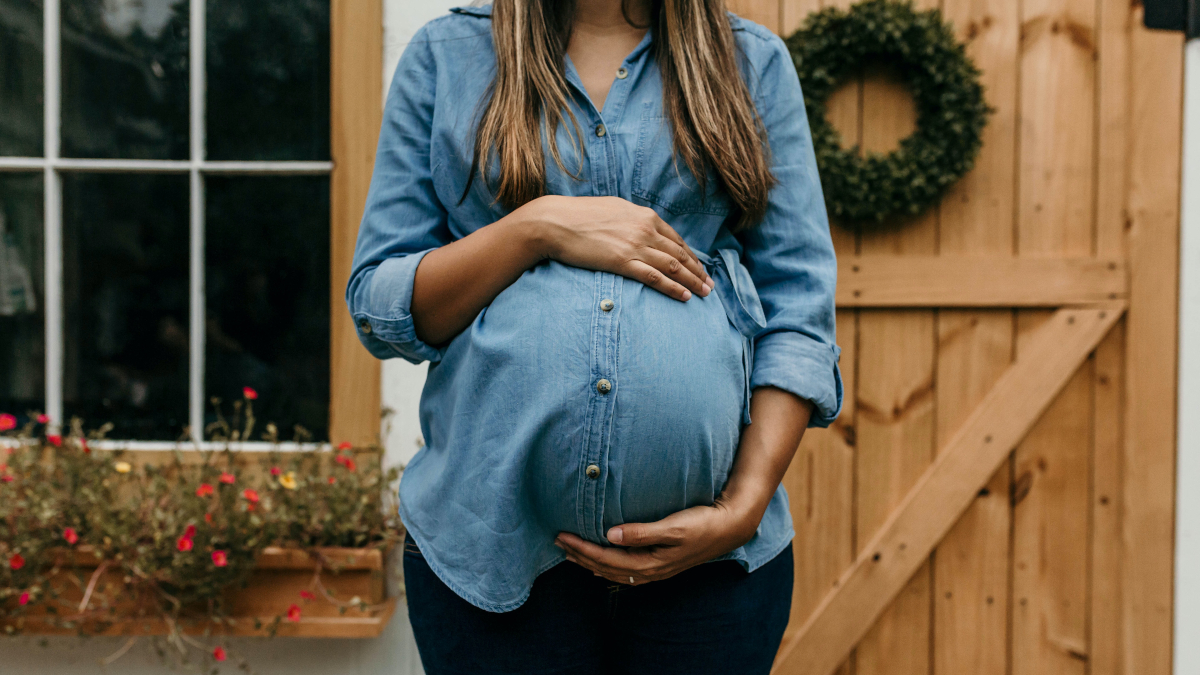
{"x":766,"y":449}
{"x":455,"y":282}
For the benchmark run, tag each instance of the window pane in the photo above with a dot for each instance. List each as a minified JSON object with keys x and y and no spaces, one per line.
{"x":268,"y":79}
{"x":125,"y":286}
{"x":267,"y":278}
{"x":21,"y":78}
{"x":125,"y":79}
{"x":22,"y":296}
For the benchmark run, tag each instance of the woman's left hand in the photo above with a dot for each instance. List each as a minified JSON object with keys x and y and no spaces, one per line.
{"x":654,"y":551}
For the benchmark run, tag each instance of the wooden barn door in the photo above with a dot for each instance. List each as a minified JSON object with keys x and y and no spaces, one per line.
{"x":997,"y":496}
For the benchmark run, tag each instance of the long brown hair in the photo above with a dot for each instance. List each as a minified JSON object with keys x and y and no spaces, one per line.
{"x":712,"y":117}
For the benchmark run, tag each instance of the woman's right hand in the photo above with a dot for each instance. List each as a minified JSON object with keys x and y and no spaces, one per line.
{"x":610,"y":234}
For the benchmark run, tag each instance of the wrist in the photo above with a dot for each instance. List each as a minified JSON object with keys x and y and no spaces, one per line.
{"x":534,"y":226}
{"x":744,"y":515}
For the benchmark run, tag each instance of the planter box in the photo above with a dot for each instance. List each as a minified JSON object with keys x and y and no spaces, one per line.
{"x":276,"y":583}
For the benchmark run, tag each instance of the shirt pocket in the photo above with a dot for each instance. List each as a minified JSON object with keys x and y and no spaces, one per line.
{"x":662,"y":180}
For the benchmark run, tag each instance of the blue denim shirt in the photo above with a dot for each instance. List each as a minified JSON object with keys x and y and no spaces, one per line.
{"x":580,"y":400}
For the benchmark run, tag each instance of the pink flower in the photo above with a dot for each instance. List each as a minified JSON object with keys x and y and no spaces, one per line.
{"x":190,"y":531}
{"x":276,"y":471}
{"x":16,"y":562}
{"x":293,"y":614}
{"x":220,"y":558}
{"x":227,"y":478}
{"x":205,"y":490}
{"x":55,"y":440}
{"x":249,"y":393}
{"x":345,"y":445}
{"x":307,"y":595}
{"x":184,"y":544}
{"x":43,"y":418}
{"x":70,"y":535}
{"x":250,"y":495}
{"x":24,"y":599}
{"x":219,"y":653}
{"x":7,"y":422}
{"x":6,"y":478}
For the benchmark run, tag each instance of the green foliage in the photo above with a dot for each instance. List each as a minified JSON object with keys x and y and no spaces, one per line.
{"x":951,"y":112}
{"x":178,"y":533}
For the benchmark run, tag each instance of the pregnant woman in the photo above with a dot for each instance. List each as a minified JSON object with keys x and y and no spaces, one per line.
{"x":600,"y":221}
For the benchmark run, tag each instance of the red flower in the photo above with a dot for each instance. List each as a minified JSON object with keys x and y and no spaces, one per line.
{"x":332,"y":480}
{"x":190,"y":531}
{"x":347,"y":462}
{"x":227,"y":478}
{"x":208,"y":518}
{"x":250,"y":495}
{"x":293,"y":614}
{"x":307,"y":595}
{"x":6,"y":478}
{"x":84,"y":446}
{"x":249,"y":393}
{"x":70,"y":535}
{"x":16,"y":562}
{"x":205,"y":490}
{"x":220,"y":558}
{"x":24,"y":599}
{"x":55,"y":440}
{"x":219,"y":653}
{"x":184,"y":544}
{"x":345,"y":445}
{"x":276,"y":471}
{"x":7,"y":422}
{"x":43,"y":418}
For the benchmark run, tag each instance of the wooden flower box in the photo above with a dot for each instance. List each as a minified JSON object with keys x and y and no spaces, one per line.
{"x":276,"y":583}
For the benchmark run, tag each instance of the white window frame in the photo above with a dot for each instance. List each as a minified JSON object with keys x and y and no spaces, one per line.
{"x":197,"y":167}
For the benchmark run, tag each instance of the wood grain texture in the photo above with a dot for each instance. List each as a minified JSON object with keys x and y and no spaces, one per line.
{"x":765,"y":12}
{"x":902,"y":545}
{"x":1151,"y":347}
{"x":1106,"y":599}
{"x":978,"y":281}
{"x":356,"y":69}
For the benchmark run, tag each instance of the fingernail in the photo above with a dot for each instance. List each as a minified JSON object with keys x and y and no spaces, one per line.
{"x":711,"y":283}
{"x":557,"y":544}
{"x":707,"y":289}
{"x":615,"y":535}
{"x":687,"y":295}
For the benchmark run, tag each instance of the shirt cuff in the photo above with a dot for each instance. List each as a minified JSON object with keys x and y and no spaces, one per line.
{"x":386,"y":326}
{"x":803,"y":366}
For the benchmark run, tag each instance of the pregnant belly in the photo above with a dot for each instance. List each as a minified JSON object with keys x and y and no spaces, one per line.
{"x":514,"y":404}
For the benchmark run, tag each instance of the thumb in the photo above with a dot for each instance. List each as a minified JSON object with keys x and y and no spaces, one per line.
{"x":644,"y":534}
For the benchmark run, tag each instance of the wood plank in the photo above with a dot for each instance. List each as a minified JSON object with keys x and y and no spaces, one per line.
{"x":946,"y":489}
{"x":978,"y":281}
{"x":1151,"y":347}
{"x":974,"y":348}
{"x":1106,"y":599}
{"x":765,"y":12}
{"x":820,"y":486}
{"x":356,"y":113}
{"x":794,"y":12}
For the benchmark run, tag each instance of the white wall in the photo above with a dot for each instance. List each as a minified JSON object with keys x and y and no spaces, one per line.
{"x":393,"y":653}
{"x":1187,"y":515}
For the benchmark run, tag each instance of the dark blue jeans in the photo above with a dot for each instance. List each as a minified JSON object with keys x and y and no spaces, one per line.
{"x":714,"y":618}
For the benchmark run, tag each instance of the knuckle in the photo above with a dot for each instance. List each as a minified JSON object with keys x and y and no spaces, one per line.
{"x":653,"y":277}
{"x":675,"y":266}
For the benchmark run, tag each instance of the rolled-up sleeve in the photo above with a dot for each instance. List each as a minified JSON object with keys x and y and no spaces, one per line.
{"x":790,"y":255}
{"x":403,"y":219}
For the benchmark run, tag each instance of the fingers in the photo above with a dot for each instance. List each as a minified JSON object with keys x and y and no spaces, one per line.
{"x":679,"y":249}
{"x":617,"y":565}
{"x":655,"y":278}
{"x":675,"y":270}
{"x":660,"y":533}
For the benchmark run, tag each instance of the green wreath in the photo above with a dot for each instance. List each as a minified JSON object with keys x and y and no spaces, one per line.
{"x":951,"y":111}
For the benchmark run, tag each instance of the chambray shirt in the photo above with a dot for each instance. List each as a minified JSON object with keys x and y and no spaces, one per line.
{"x":580,"y":400}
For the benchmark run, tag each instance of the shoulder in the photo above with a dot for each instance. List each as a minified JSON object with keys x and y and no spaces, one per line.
{"x":461,"y":23}
{"x":758,"y":44}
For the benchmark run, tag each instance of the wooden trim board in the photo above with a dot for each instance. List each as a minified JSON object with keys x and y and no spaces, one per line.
{"x":945,"y":490}
{"x":356,"y":99}
{"x":965,"y":281}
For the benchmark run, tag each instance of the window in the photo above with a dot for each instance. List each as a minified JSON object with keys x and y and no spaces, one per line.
{"x":165,"y":211}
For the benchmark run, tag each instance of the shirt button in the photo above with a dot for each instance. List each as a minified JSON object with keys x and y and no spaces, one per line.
{"x":600,"y":130}
{"x":607,"y":305}
{"x":604,"y":386}
{"x":593,"y":471}
{"x":622,"y":73}
{"x":365,"y":327}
